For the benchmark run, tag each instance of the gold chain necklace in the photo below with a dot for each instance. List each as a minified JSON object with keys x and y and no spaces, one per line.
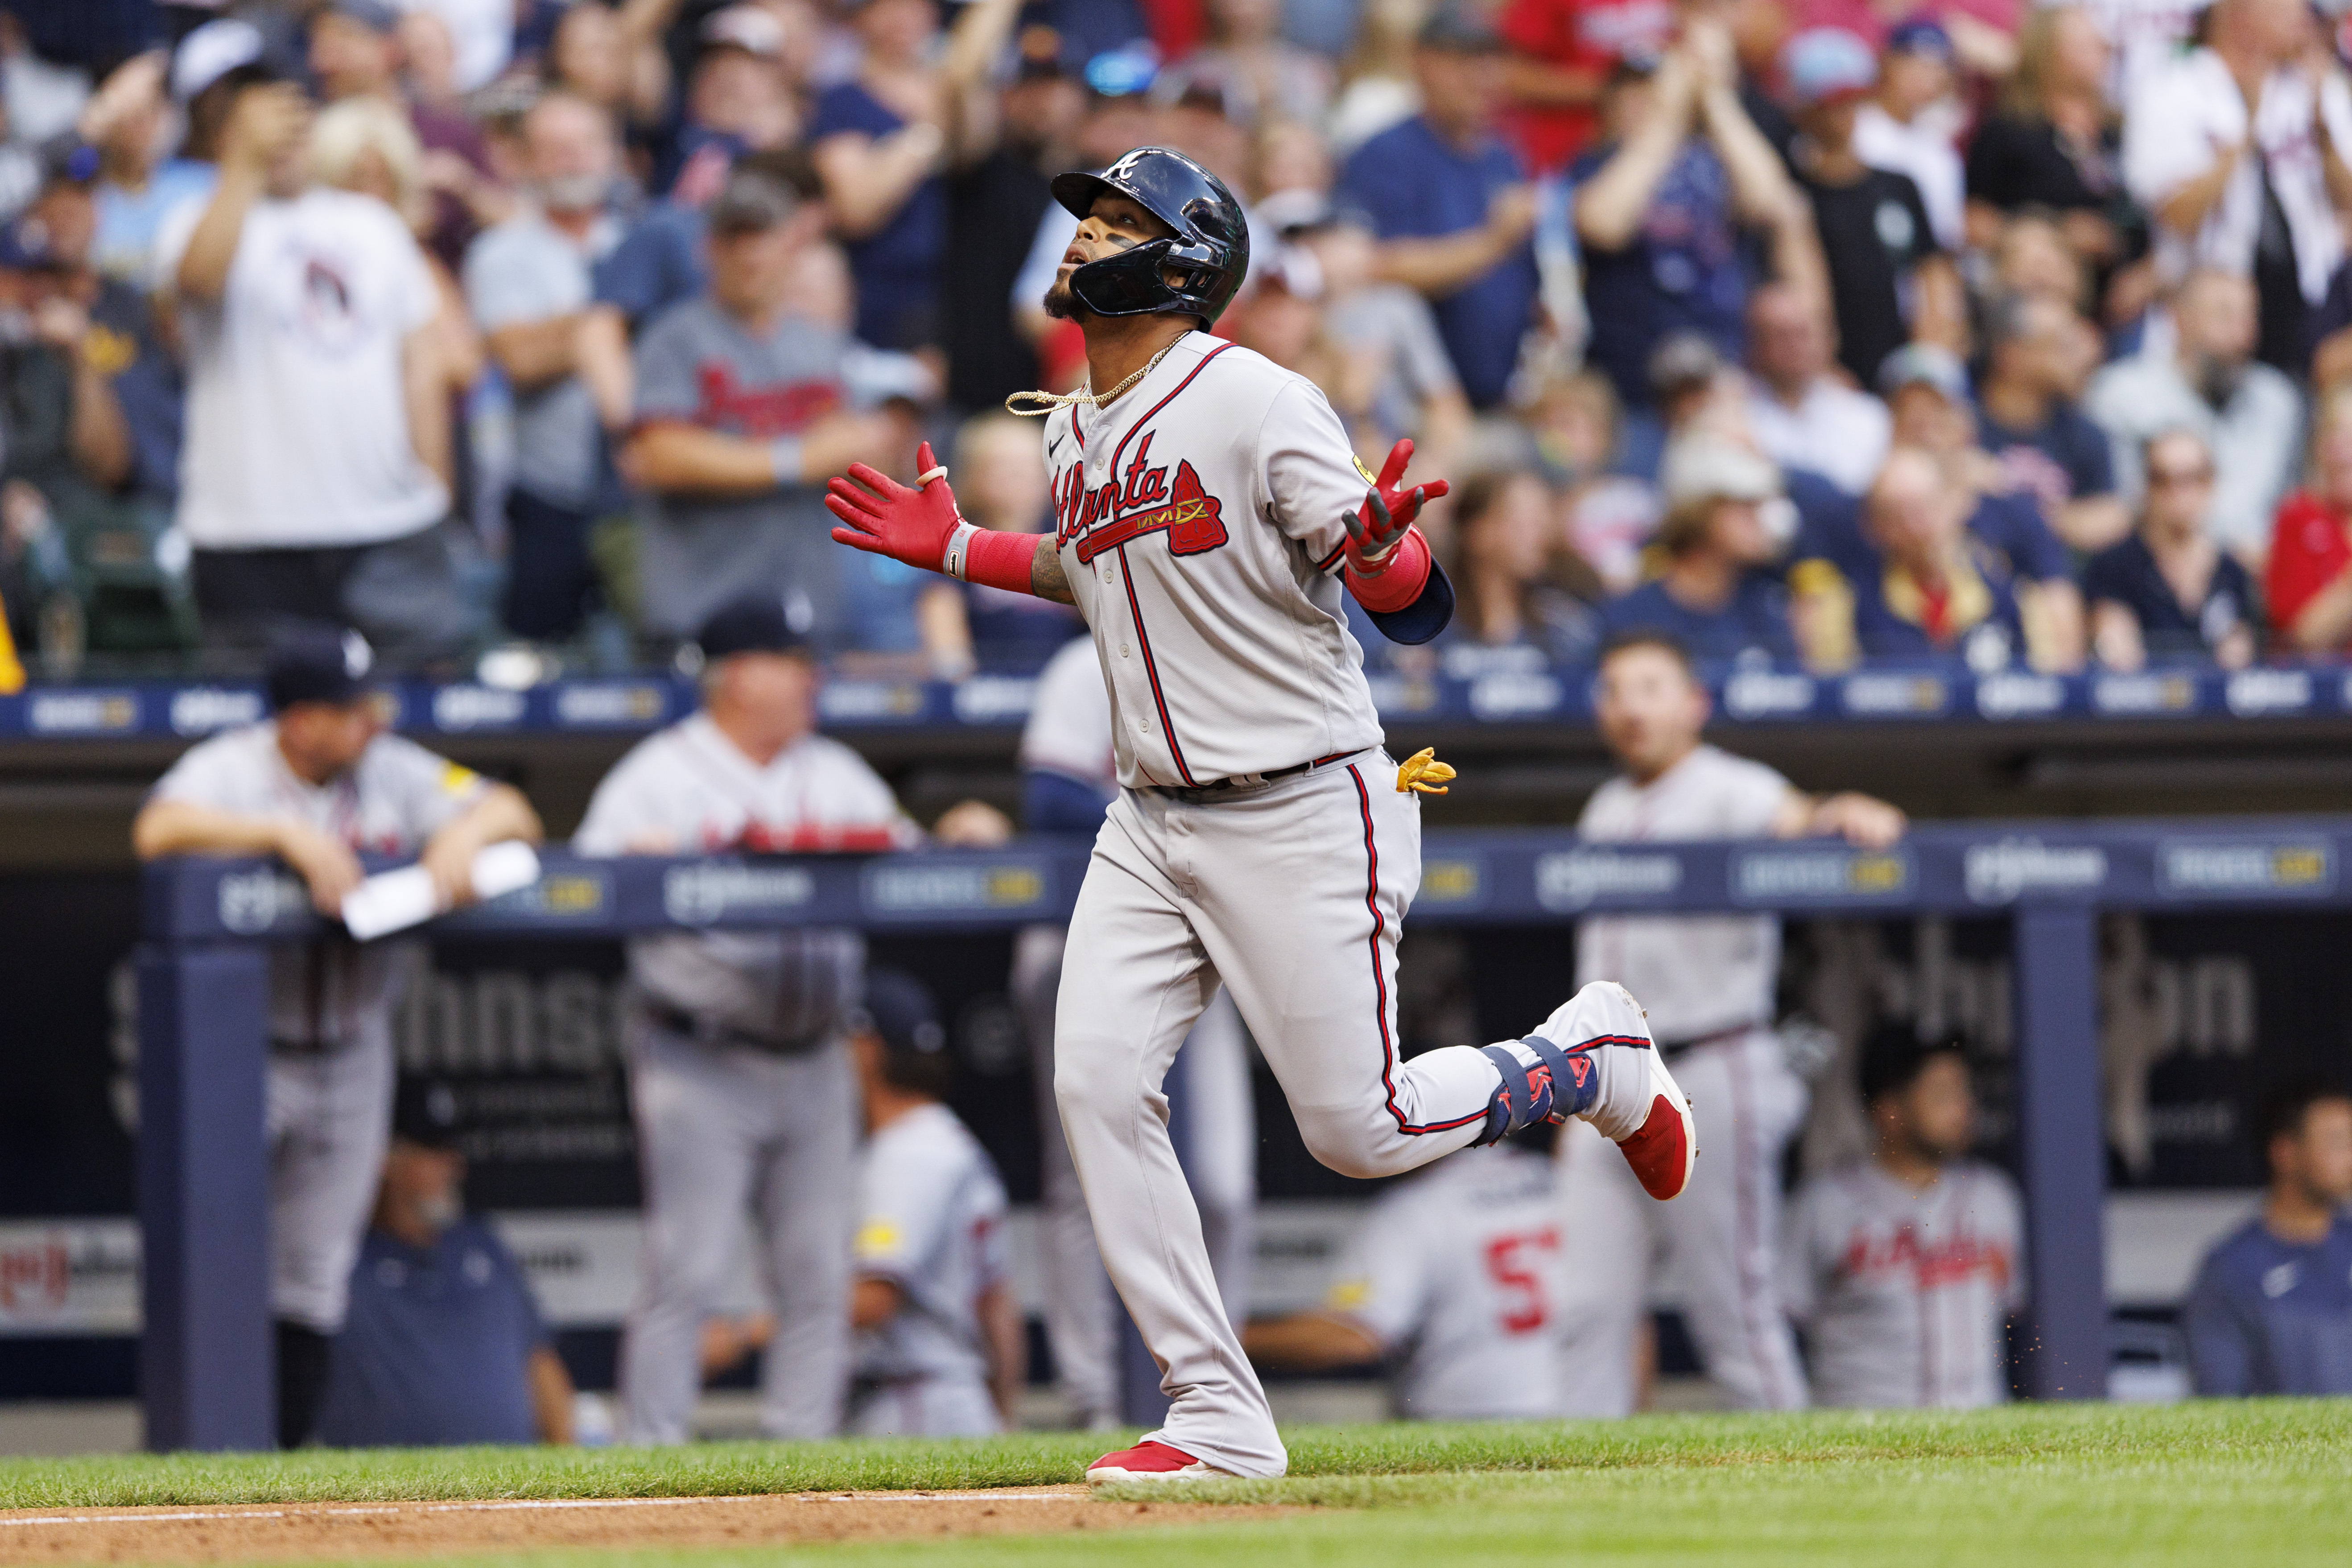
{"x":1049,"y":402}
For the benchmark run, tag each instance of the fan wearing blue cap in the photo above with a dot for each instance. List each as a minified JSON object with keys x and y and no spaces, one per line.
{"x":742,"y":1087}
{"x":1875,"y":232}
{"x":317,"y":785}
{"x":940,"y":1349}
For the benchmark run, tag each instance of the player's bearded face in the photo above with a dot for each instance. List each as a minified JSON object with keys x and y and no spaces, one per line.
{"x":1114,"y":224}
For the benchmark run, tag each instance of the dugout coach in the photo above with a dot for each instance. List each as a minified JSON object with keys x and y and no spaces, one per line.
{"x":317,"y":784}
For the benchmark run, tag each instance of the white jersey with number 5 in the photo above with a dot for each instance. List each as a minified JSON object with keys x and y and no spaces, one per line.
{"x":1459,"y":1273}
{"x":1201,"y":518}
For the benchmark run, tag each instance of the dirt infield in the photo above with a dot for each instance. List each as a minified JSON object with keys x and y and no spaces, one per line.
{"x":416,"y":1530}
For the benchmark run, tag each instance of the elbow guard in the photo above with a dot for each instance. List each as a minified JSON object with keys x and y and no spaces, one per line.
{"x":1421,"y":616}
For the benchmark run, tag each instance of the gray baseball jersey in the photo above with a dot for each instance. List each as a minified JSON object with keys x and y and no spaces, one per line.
{"x":930,"y":1218}
{"x":330,"y":1109}
{"x":527,"y":269}
{"x":1226,"y":645}
{"x":394,"y":799}
{"x":689,"y":789}
{"x":1459,"y":1272}
{"x":1904,"y":1291}
{"x":1200,"y":519}
{"x":1694,"y":975}
{"x":699,"y":365}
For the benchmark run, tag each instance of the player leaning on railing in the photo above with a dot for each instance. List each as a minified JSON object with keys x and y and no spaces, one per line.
{"x":1208,"y":516}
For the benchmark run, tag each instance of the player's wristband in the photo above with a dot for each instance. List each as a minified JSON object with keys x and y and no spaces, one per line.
{"x":997,"y":560}
{"x":785,"y":460}
{"x":1399,"y":581}
{"x":953,"y":559}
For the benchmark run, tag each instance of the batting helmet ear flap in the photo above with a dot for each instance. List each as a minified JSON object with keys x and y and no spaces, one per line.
{"x":1135,"y":282}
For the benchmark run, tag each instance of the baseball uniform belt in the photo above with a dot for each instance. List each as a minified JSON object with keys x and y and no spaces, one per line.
{"x":1200,"y":794}
{"x":1670,"y":1050}
{"x":704,"y":1030}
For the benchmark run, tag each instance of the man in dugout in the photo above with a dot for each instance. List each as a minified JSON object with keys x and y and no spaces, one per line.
{"x":317,"y":784}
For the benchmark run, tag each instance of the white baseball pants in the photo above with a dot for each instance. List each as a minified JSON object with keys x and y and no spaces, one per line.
{"x":1719,"y":1239}
{"x":722,"y":1133}
{"x":330,"y":1117}
{"x":1292,"y":895}
{"x":1222,"y":1164}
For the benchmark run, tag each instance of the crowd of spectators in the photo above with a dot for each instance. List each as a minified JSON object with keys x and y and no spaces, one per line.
{"x":1809,"y":331}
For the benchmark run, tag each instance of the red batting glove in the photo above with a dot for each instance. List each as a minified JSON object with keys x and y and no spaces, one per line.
{"x":1379,"y":526}
{"x":886,"y":518}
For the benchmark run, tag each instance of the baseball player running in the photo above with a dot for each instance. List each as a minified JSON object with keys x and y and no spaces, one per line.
{"x":1708,"y":981}
{"x":1209,"y":517}
{"x":318,"y":784}
{"x":1069,"y":777}
{"x":940,"y":1349}
{"x":1454,"y":1280}
{"x":740,"y":1080}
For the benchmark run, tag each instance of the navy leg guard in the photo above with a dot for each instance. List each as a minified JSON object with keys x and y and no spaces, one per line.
{"x":1574,"y":1084}
{"x":1507,"y":1113}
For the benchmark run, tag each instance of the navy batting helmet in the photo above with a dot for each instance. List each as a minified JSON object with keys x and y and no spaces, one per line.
{"x":1209,"y":253}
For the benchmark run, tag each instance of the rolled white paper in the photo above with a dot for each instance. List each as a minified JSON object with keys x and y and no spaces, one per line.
{"x":395,"y":900}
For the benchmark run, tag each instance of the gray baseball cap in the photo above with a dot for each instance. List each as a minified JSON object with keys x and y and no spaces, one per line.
{"x":751,"y":201}
{"x":1706,"y":467}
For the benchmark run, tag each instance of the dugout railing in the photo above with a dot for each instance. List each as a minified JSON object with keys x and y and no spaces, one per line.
{"x":205,"y":1372}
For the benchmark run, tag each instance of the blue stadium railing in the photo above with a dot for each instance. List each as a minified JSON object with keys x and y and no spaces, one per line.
{"x":207,"y":1373}
{"x":158,"y":710}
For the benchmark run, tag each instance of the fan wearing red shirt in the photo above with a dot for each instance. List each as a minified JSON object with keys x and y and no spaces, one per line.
{"x":1561,"y":54}
{"x":2308,"y":584}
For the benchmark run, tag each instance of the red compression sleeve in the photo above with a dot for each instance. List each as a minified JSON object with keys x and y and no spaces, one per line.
{"x":1401,"y":583}
{"x":1003,"y":560}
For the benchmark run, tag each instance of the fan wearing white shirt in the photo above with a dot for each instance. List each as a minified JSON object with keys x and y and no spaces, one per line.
{"x":2213,"y":140}
{"x":1803,"y":413}
{"x":1909,"y":124}
{"x":315,"y":428}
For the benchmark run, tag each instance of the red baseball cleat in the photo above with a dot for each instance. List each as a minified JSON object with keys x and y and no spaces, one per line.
{"x":1148,"y":1461}
{"x":1632,"y":1101}
{"x":1664,"y":1147}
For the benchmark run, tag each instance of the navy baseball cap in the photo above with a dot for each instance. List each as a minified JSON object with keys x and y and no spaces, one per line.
{"x":375,"y":16}
{"x":318,"y":663}
{"x":1921,"y":35}
{"x":1459,"y":28}
{"x":426,"y":1111}
{"x":900,"y":1011}
{"x":755,"y":622}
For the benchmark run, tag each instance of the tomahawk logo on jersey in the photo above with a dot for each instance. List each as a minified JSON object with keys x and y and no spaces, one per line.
{"x":1200,"y":519}
{"x":1109,"y":516}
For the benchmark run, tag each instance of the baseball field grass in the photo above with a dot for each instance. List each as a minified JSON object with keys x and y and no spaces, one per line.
{"x":2208,"y":1485}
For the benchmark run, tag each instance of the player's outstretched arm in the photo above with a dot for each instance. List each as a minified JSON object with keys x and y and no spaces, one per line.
{"x":1389,"y":568}
{"x":920,"y":525}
